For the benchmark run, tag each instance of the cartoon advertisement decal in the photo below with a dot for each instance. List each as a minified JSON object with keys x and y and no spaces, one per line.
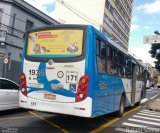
{"x":55,"y":43}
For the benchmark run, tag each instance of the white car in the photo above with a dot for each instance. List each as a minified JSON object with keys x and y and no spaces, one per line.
{"x":8,"y":94}
{"x":149,"y":84}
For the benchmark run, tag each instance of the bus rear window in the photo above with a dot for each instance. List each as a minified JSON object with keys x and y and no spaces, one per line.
{"x":55,"y":43}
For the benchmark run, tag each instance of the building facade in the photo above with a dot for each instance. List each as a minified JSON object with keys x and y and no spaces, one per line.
{"x":16,"y":16}
{"x":113,"y":17}
{"x":117,"y":20}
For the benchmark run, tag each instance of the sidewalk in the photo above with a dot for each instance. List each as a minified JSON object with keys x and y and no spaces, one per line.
{"x":154,"y":105}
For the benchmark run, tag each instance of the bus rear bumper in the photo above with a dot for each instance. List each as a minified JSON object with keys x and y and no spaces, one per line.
{"x":82,"y":109}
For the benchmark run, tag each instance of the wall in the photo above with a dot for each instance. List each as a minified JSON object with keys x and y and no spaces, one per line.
{"x":14,"y":37}
{"x":92,"y":9}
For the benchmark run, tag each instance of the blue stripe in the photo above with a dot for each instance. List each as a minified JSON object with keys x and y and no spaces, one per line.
{"x":63,"y":92}
{"x":42,"y":79}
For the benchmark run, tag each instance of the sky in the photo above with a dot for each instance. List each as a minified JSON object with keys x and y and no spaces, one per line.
{"x":145,"y":20}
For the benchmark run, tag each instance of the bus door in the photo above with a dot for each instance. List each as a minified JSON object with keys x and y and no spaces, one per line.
{"x":134,"y":78}
{"x":104,"y":93}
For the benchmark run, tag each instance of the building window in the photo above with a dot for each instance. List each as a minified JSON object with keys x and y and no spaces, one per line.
{"x":1,"y":13}
{"x":13,"y":22}
{"x":2,"y":55}
{"x":29,"y":24}
{"x":119,"y":20}
{"x":108,"y":20}
{"x":119,"y":33}
{"x":2,"y":37}
{"x":109,"y":6}
{"x":2,"y":33}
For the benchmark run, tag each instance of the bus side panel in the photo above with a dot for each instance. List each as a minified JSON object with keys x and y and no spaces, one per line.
{"x":102,"y":104}
{"x":139,"y":88}
{"x":127,"y":89}
{"x":124,"y":87}
{"x":89,"y":69}
{"x":107,"y":90}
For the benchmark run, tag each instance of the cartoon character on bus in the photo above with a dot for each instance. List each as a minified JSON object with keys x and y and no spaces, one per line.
{"x":35,"y":47}
{"x":72,"y":48}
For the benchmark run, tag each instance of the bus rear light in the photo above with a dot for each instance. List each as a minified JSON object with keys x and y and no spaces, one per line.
{"x":23,"y":89}
{"x":23,"y":84}
{"x":82,"y":91}
{"x":82,"y":88}
{"x":81,"y":95}
{"x":22,"y":77}
{"x":83,"y":81}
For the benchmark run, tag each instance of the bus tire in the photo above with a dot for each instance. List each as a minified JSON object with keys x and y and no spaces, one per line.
{"x":121,"y":106}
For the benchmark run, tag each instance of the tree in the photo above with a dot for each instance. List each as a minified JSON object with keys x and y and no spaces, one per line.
{"x":155,"y":53}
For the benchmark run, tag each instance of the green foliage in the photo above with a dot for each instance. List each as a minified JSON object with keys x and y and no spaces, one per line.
{"x":155,"y":53}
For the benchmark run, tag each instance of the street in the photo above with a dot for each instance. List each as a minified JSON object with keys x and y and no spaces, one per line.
{"x":24,"y":121}
{"x":88,"y":66}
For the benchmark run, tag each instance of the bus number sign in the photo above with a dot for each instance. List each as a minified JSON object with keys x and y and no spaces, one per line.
{"x":72,"y":77}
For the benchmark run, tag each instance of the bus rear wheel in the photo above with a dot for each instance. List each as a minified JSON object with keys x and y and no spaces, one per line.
{"x":121,"y":106}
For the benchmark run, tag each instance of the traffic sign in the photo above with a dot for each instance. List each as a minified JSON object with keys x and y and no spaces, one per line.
{"x":151,"y":39}
{"x":5,"y":61}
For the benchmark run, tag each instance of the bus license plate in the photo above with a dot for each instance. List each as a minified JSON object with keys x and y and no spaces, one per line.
{"x":50,"y":96}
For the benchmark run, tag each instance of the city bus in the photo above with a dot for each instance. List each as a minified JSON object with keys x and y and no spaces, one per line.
{"x":77,"y":70}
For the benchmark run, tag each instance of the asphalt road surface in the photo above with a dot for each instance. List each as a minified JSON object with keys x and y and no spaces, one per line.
{"x":29,"y":121}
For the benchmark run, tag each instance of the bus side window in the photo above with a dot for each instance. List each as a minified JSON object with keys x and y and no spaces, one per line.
{"x":116,"y":62}
{"x":101,"y":56}
{"x":122,"y":66}
{"x":141,"y":74}
{"x":138,"y":73}
{"x":128,"y":68}
{"x":109,"y":60}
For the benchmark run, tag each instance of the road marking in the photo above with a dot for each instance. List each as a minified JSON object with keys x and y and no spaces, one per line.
{"x":49,"y":122}
{"x":148,"y":118}
{"x":132,"y":125}
{"x":144,"y":100}
{"x":102,"y":127}
{"x":146,"y":122}
{"x":148,"y":115}
{"x":122,"y":130}
{"x":137,"y":130}
{"x":134,"y":109}
{"x":15,"y":118}
{"x":154,"y":96}
{"x":150,"y":112}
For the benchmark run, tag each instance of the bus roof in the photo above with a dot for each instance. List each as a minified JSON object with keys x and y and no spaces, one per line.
{"x":59,"y":26}
{"x":85,"y":26}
